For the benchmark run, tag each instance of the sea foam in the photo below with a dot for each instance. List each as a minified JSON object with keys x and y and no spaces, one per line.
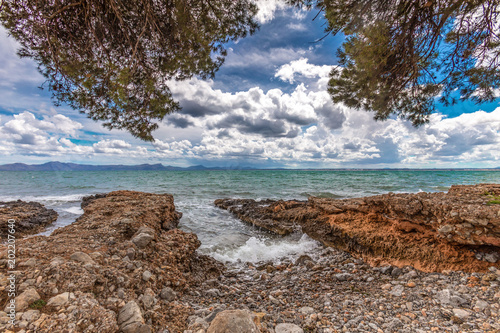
{"x":257,"y":249}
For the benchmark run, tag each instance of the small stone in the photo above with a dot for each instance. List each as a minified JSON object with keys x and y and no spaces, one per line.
{"x":343,"y":276}
{"x":130,"y":319}
{"x":146,"y":276}
{"x":31,"y":315}
{"x":303,"y":259}
{"x":460,"y":313}
{"x":397,"y":290}
{"x":491,"y":257}
{"x":82,"y":257}
{"x":24,"y":300}
{"x":29,"y":263}
{"x":60,"y":300}
{"x":131,"y":253}
{"x":411,"y":285}
{"x":481,"y":305}
{"x":232,"y":321}
{"x":306,"y":310}
{"x":288,"y":328}
{"x":167,"y":294}
{"x":143,"y":237}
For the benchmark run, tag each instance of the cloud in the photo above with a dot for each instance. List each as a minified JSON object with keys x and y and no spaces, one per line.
{"x":267,"y":9}
{"x":301,"y":67}
{"x":294,"y":128}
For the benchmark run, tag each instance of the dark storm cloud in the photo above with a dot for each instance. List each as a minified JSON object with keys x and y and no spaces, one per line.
{"x":179,"y":121}
{"x":332,"y":116}
{"x":264,"y":127}
{"x":197,"y":110}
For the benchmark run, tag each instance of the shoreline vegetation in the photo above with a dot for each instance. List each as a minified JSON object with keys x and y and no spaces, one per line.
{"x":418,"y":262}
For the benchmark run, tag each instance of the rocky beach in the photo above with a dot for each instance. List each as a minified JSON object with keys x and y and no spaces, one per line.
{"x":423,"y":262}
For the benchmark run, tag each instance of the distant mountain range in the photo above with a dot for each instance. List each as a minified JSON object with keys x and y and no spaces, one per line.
{"x":59,"y":166}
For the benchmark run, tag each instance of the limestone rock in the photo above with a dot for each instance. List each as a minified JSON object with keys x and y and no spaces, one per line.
{"x":143,"y":237}
{"x":168,"y":294}
{"x":82,"y":257}
{"x":429,"y":231}
{"x":60,"y":300}
{"x":461,"y":313}
{"x":25,"y":299}
{"x":130,"y":319}
{"x":288,"y":328}
{"x":231,"y":321}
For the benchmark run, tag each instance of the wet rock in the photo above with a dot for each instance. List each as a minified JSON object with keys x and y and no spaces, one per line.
{"x":30,"y":217}
{"x":430,"y":231}
{"x":231,"y":321}
{"x":303,"y":259}
{"x":87,"y":200}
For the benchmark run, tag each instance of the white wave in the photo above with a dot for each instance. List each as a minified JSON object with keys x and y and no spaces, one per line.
{"x":74,"y":210}
{"x":256,"y":250}
{"x":46,"y":198}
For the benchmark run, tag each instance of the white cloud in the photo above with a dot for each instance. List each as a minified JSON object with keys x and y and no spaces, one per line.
{"x":301,"y":67}
{"x":267,"y":9}
{"x":296,"y":127}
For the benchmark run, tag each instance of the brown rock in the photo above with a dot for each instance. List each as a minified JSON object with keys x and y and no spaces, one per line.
{"x":23,"y":301}
{"x":231,"y":321}
{"x":430,"y":231}
{"x":30,"y":217}
{"x":102,"y":235}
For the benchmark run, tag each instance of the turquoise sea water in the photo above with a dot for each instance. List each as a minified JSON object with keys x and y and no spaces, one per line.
{"x":223,"y":236}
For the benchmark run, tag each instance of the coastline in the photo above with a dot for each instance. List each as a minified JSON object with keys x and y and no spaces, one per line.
{"x":123,"y":265}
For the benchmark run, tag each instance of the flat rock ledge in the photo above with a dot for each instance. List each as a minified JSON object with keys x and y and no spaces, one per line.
{"x":457,"y":230}
{"x":122,"y":266}
{"x":30,"y":217}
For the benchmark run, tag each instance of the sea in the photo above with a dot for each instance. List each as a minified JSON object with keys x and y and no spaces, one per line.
{"x":223,"y":236}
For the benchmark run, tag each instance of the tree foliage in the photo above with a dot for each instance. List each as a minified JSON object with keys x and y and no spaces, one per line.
{"x":111,"y":59}
{"x":400,"y":55}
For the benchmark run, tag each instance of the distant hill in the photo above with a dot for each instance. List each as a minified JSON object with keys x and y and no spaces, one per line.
{"x":59,"y":166}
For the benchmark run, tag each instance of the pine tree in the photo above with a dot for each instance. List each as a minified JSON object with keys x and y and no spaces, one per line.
{"x":111,"y":59}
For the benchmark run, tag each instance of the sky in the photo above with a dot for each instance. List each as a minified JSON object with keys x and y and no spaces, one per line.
{"x":267,"y":107}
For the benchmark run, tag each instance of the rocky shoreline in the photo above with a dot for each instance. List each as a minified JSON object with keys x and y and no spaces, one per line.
{"x":123,"y":266}
{"x":31,"y":217}
{"x":429,"y":231}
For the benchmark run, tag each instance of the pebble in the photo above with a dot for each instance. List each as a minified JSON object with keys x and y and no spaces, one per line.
{"x":347,"y":295}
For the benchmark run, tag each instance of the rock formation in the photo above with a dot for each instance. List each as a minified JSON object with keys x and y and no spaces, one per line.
{"x":30,"y":217}
{"x":121,"y":266}
{"x":430,"y":231}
